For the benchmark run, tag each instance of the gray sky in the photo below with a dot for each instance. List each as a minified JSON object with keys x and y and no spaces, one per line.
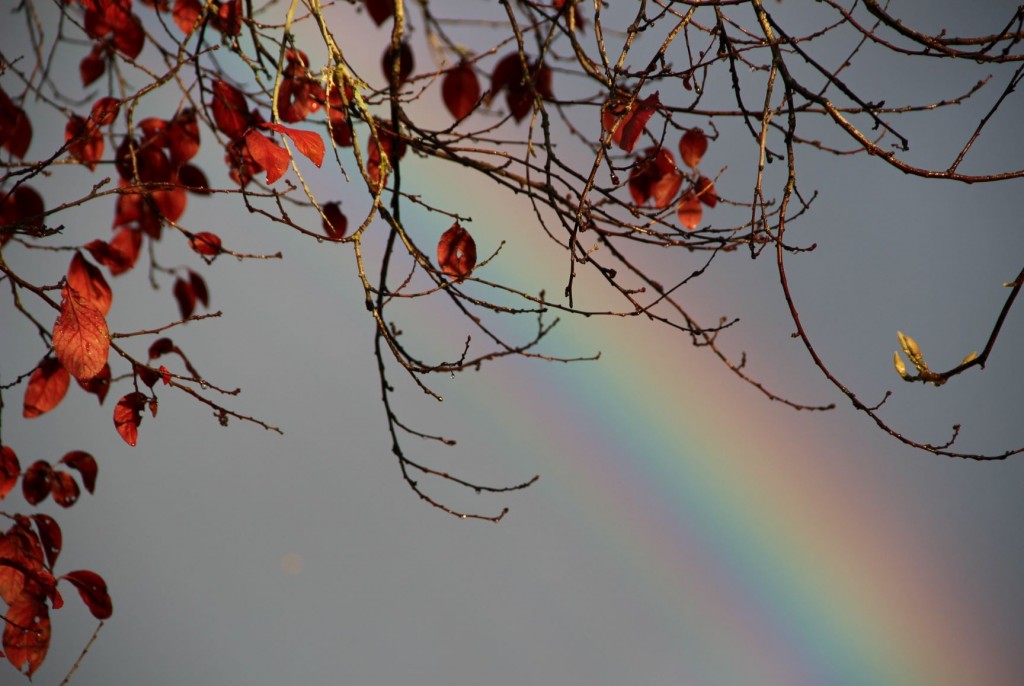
{"x":684,"y":529}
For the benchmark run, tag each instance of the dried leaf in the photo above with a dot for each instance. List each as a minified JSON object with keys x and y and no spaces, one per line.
{"x":380,"y":10}
{"x":205,"y":243}
{"x":405,"y":62}
{"x":230,"y":109}
{"x":705,"y":191}
{"x":309,"y":143}
{"x":98,"y":385}
{"x":690,"y":212}
{"x":80,"y":336}
{"x":185,"y":296}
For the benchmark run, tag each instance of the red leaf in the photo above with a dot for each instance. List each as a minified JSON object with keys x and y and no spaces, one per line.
{"x":268,"y":154}
{"x":632,"y":122}
{"x":228,"y":19}
{"x":10,"y":468}
{"x":460,"y":90}
{"x":86,"y":141}
{"x":171,"y":203}
{"x":335,"y":223}
{"x":98,"y":385}
{"x":147,"y":375}
{"x":128,"y":416}
{"x":37,"y":482}
{"x":50,"y":537}
{"x":27,"y":635}
{"x":160,"y":347}
{"x":692,"y":147}
{"x":519,"y":90}
{"x":15,"y":128}
{"x":104,"y":111}
{"x":93,"y":590}
{"x":230,"y":109}
{"x":456,"y":252}
{"x":193,"y":178}
{"x":690,"y":212}
{"x":183,"y":137}
{"x":88,"y":280}
{"x":80,"y":336}
{"x":123,"y":251}
{"x":341,"y":132}
{"x":199,"y":288}
{"x":46,"y":388}
{"x":86,"y":466}
{"x":23,"y":206}
{"x":655,"y":176}
{"x":186,"y":298}
{"x":205,"y":243}
{"x":705,"y":191}
{"x":380,"y":10}
{"x":64,"y":489}
{"x":93,"y":65}
{"x":165,"y":376}
{"x":185,"y":14}
{"x":405,"y":62}
{"x":308,"y":143}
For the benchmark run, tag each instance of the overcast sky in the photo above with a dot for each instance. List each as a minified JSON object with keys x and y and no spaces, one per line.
{"x":684,"y":530}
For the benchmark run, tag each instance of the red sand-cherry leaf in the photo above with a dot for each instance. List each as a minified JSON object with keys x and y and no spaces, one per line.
{"x":98,"y":385}
{"x":93,"y":590}
{"x":64,"y":489}
{"x":128,"y":416}
{"x":186,"y":297}
{"x":186,"y":12}
{"x":268,"y":154}
{"x":15,"y":128}
{"x":460,"y":90}
{"x":230,"y":109}
{"x":10,"y":468}
{"x":405,"y":62}
{"x":692,"y":147}
{"x":27,"y":635}
{"x":93,"y":65}
{"x":80,"y":336}
{"x":632,"y":121}
{"x":705,"y":191}
{"x":85,"y":141}
{"x":690,"y":212}
{"x":655,"y":177}
{"x":309,"y":143}
{"x":509,"y":75}
{"x":88,"y":280}
{"x":46,"y":388}
{"x":335,"y":222}
{"x":380,"y":10}
{"x":205,"y":243}
{"x":50,"y":536}
{"x":37,"y":482}
{"x":86,"y":466}
{"x":456,"y":252}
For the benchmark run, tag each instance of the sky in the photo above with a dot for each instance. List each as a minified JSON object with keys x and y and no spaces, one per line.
{"x":684,"y":529}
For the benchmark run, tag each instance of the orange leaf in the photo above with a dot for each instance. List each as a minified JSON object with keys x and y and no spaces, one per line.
{"x":308,"y":143}
{"x":128,"y":416}
{"x":80,"y":336}
{"x":87,"y":279}
{"x":205,"y":243}
{"x":692,"y":147}
{"x":456,"y":252}
{"x":46,"y":388}
{"x":690,"y":212}
{"x":27,"y":635}
{"x":268,"y":154}
{"x":705,"y":191}
{"x":93,"y":590}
